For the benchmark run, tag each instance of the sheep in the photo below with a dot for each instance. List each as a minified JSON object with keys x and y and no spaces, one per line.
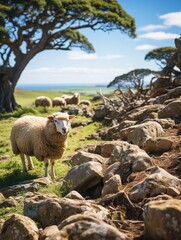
{"x":75,"y":99}
{"x":58,"y":101}
{"x":43,"y":101}
{"x":85,"y":102}
{"x":44,"y":138}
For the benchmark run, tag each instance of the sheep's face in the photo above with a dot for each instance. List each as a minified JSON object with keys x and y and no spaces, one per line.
{"x":62,"y":124}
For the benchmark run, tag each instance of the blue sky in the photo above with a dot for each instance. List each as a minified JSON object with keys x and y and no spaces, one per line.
{"x":158,"y":23}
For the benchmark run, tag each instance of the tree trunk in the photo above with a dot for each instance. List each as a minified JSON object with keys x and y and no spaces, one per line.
{"x":7,"y":100}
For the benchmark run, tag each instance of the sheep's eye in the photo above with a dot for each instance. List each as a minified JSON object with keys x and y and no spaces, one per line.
{"x":55,"y":121}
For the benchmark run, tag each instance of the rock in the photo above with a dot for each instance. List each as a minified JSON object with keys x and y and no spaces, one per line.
{"x":157,"y":182}
{"x":158,"y":145}
{"x":172,"y":110}
{"x":138,"y":159}
{"x":139,"y":134}
{"x":50,"y":233}
{"x":141,"y":113}
{"x":26,"y":186}
{"x":74,"y":195}
{"x":162,"y":220}
{"x":52,"y":211}
{"x":83,"y":226}
{"x":84,"y":157}
{"x":113,"y":185}
{"x":84,"y":176}
{"x":8,"y":202}
{"x":19,"y":227}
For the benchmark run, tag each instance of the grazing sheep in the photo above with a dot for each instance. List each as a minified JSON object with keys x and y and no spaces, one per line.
{"x":43,"y":101}
{"x":58,"y":101}
{"x":44,"y":138}
{"x":75,"y":99}
{"x":85,"y":102}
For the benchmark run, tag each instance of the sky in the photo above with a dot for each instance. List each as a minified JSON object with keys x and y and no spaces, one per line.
{"x":158,"y":23}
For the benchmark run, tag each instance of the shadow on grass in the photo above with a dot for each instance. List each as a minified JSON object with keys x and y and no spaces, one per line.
{"x":15,"y":177}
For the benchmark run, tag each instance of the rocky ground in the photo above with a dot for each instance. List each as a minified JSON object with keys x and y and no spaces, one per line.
{"x":126,"y":187}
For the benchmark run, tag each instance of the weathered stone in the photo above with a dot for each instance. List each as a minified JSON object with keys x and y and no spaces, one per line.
{"x":19,"y":227}
{"x":113,"y":185}
{"x":141,"y":113}
{"x":162,"y":220}
{"x":138,"y":134}
{"x":26,"y":186}
{"x":157,"y":182}
{"x":83,"y":226}
{"x":84,"y":157}
{"x":8,"y":202}
{"x":50,"y":233}
{"x":74,"y":195}
{"x":137,"y":159}
{"x":158,"y":145}
{"x":172,"y":110}
{"x":84,"y":176}
{"x":52,"y":211}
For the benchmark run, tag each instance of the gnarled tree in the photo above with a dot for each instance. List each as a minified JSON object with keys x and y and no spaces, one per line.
{"x":30,"y":27}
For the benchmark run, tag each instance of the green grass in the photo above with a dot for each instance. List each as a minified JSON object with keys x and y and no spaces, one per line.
{"x":10,"y":165}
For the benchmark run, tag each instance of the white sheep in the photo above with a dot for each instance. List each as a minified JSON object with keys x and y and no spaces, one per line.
{"x":43,"y":101}
{"x":74,"y":99}
{"x":44,"y":138}
{"x":58,"y":101}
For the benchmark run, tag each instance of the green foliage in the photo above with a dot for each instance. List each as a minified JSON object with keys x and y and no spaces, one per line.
{"x":160,"y":55}
{"x":128,"y":77}
{"x":45,"y":24}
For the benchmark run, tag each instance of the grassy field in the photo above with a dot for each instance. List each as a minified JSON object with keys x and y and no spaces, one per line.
{"x":10,"y":165}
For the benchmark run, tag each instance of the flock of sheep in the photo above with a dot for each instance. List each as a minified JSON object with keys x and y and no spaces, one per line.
{"x":60,"y":101}
{"x":44,"y":138}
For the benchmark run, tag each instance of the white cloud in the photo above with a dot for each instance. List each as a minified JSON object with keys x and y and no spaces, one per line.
{"x":145,"y":47}
{"x":159,"y":35}
{"x":172,"y":19}
{"x":151,"y":27}
{"x":73,"y":70}
{"x":77,"y":55}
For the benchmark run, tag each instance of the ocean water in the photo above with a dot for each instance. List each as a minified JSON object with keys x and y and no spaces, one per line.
{"x":88,"y":89}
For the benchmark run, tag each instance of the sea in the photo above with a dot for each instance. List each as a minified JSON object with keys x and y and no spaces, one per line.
{"x":67,"y":88}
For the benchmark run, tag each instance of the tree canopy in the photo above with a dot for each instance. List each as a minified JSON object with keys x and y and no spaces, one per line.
{"x":30,"y":27}
{"x":160,"y":55}
{"x":130,"y":77}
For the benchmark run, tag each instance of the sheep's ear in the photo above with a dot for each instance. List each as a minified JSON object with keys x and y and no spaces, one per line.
{"x":71,"y":116}
{"x":51,"y":117}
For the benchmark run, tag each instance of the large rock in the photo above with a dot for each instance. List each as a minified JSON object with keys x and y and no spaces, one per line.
{"x":139,"y":134}
{"x":112,"y":185}
{"x":157,"y":182}
{"x":141,"y":113}
{"x":19,"y":227}
{"x":131,"y":158}
{"x":52,"y":211}
{"x":26,"y":186}
{"x":172,"y":110}
{"x":162,"y":220}
{"x":83,"y":157}
{"x":84,"y":176}
{"x":158,"y":145}
{"x":83,"y":226}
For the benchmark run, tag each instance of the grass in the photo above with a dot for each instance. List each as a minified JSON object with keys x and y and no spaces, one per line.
{"x":10,"y":165}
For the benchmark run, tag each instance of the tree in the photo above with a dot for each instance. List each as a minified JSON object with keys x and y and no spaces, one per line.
{"x":30,"y":27}
{"x":134,"y":78}
{"x":160,"y":55}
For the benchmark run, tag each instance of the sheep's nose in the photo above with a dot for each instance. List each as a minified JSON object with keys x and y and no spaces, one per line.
{"x":64,"y":130}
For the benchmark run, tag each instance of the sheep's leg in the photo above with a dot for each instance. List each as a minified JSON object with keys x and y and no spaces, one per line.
{"x":52,"y":171}
{"x":23,"y":162}
{"x":30,"y":163}
{"x":46,"y":168}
